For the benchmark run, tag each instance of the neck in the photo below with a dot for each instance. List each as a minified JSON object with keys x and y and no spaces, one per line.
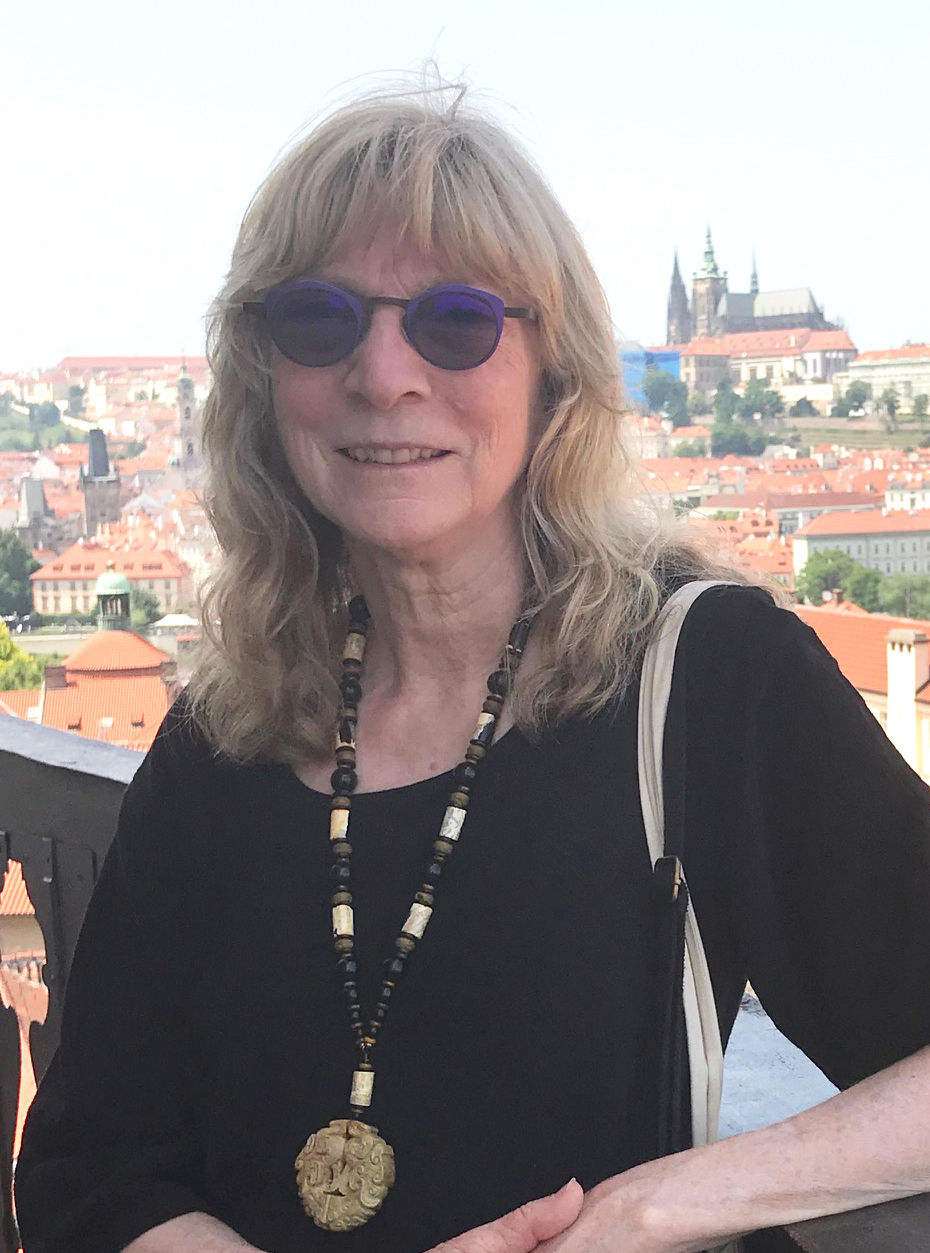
{"x":441,"y":623}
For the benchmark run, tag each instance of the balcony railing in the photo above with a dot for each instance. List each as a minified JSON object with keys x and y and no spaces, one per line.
{"x":59,"y":799}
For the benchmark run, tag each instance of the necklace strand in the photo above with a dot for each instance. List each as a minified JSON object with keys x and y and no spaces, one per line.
{"x":344,"y":781}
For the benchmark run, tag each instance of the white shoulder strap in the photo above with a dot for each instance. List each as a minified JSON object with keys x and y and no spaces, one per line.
{"x":705,"y":1053}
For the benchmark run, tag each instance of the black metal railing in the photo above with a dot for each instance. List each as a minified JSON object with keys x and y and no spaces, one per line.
{"x":59,"y":799}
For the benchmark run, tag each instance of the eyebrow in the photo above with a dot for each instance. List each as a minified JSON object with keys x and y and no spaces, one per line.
{"x":353,"y":288}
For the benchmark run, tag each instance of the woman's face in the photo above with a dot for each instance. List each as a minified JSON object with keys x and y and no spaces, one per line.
{"x":385,"y":398}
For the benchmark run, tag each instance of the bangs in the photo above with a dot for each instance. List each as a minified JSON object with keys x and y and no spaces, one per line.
{"x":456,"y":187}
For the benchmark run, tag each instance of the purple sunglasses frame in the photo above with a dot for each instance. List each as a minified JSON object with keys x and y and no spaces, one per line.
{"x":362,"y":307}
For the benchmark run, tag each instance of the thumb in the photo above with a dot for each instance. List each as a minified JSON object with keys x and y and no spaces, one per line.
{"x":522,"y":1229}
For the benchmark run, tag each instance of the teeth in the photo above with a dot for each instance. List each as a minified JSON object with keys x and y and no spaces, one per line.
{"x":389,"y":456}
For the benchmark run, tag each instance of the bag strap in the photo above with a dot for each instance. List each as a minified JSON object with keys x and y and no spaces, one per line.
{"x":686,"y":964}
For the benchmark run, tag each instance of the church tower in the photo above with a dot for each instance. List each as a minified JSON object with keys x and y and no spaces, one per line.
{"x":678,"y":325}
{"x":113,"y":592}
{"x":189,"y":426}
{"x":709,"y":286}
{"x":100,"y":485}
{"x":754,"y":280}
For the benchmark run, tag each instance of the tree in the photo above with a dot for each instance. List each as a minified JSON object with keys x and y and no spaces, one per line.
{"x":921,"y":404}
{"x":726,"y":438}
{"x":75,"y":400}
{"x":689,"y":448}
{"x":17,"y":668}
{"x":725,"y":402}
{"x":144,"y":607}
{"x":889,"y":402}
{"x":665,"y":393}
{"x":46,"y":414}
{"x":698,"y":404}
{"x":823,"y":571}
{"x":759,"y":399}
{"x":907,"y":595}
{"x":16,"y":565}
{"x":857,"y":394}
{"x":6,"y":403}
{"x":863,"y":588}
{"x":802,"y":409}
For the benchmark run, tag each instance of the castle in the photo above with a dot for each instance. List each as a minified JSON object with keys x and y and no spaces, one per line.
{"x":715,"y":310}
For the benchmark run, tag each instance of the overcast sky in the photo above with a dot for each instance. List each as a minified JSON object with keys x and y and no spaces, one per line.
{"x":133,"y":136}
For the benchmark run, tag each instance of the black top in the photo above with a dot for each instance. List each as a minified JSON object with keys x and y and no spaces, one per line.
{"x":205,"y":1036}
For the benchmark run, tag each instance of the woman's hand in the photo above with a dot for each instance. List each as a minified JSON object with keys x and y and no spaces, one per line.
{"x":523,"y":1229}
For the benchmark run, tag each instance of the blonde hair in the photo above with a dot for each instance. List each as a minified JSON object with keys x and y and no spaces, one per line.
{"x":598,"y":562}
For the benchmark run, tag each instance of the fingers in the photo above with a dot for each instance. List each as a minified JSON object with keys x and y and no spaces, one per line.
{"x":522,"y":1229}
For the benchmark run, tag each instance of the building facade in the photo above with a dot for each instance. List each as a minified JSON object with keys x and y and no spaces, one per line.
{"x":890,"y":541}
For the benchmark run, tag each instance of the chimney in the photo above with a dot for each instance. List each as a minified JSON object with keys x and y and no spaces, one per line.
{"x":908,"y":655}
{"x":55,"y":678}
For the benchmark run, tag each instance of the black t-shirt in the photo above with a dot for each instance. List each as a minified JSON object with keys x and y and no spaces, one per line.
{"x":205,"y":1036}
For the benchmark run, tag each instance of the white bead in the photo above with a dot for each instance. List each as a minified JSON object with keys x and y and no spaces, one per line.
{"x":355,"y":647}
{"x":452,"y":823}
{"x":417,"y":919}
{"x":343,"y":920}
{"x":338,"y":824}
{"x":484,"y":720}
{"x":363,"y":1081}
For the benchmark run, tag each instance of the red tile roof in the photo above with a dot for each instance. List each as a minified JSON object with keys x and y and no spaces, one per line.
{"x":14,"y":899}
{"x":137,"y":556}
{"x":122,"y":710}
{"x":19,"y":702}
{"x":113,"y":651}
{"x":867,"y":522}
{"x":910,"y":352}
{"x":790,"y":342}
{"x":858,"y":641}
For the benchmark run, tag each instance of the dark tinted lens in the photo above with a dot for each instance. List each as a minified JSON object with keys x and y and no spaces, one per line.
{"x":454,"y":330}
{"x":313,"y":326}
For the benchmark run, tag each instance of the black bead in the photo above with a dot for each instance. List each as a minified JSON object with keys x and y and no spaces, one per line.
{"x":340,"y":872}
{"x":350,"y":987}
{"x":343,"y":779}
{"x":347,"y":966}
{"x":358,"y":610}
{"x":347,"y":730}
{"x":465,"y":774}
{"x":499,"y":682}
{"x":351,"y":689}
{"x":394,"y":967}
{"x":434,"y":871}
{"x":519,"y":635}
{"x":385,"y":994}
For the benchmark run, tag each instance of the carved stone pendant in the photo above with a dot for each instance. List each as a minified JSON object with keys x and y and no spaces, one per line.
{"x":344,"y":1172}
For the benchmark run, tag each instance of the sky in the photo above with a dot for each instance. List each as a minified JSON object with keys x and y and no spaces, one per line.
{"x":132,"y":137}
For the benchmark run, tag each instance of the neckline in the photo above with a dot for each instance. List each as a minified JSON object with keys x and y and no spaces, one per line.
{"x":510,"y":736}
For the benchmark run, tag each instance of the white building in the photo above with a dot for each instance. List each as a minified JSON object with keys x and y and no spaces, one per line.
{"x":891,"y":541}
{"x":905,"y":369}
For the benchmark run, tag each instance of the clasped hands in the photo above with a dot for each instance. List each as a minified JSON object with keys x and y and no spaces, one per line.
{"x":620,"y":1215}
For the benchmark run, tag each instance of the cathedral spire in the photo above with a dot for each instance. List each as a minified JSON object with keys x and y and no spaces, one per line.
{"x":709,"y":269}
{"x":754,"y":281}
{"x":678,"y":325}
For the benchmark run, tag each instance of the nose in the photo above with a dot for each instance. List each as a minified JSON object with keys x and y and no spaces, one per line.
{"x":384,"y":369}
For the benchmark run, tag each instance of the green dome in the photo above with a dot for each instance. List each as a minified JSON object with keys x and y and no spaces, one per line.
{"x":112,"y":584}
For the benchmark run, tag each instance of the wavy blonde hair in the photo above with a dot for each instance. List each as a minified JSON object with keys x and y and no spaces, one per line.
{"x":598,"y":561}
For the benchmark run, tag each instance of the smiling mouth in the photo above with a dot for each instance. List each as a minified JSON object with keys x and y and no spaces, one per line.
{"x":392,"y":456}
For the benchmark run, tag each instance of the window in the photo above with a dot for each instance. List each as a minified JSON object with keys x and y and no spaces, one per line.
{"x":73,"y":585}
{"x":859,"y":549}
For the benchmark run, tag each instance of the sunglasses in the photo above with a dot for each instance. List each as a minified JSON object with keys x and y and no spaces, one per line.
{"x":452,"y":326}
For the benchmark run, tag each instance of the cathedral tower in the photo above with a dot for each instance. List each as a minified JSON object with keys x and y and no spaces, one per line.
{"x":678,"y":325}
{"x":709,"y":286}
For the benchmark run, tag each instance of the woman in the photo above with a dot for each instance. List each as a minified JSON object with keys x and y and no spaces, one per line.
{"x":416,"y":455}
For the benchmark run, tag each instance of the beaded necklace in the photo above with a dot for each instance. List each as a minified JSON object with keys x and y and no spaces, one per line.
{"x":345,"y":1170}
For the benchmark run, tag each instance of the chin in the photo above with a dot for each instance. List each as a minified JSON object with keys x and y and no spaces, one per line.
{"x":410,"y":534}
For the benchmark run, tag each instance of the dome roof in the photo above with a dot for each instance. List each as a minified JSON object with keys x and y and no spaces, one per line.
{"x":112,"y":584}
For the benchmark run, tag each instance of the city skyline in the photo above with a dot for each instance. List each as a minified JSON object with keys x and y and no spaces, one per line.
{"x":128,"y":192}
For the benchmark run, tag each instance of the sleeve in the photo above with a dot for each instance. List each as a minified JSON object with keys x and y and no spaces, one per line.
{"x":105,"y":1156}
{"x":822,"y":833}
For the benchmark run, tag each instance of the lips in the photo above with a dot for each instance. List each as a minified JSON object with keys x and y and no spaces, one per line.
{"x":391,"y":456}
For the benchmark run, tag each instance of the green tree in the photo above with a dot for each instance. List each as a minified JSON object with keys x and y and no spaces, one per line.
{"x":726,"y":438}
{"x":75,"y":400}
{"x":143,"y":606}
{"x":823,"y":571}
{"x":921,"y":404}
{"x":698,"y":404}
{"x":17,"y":668}
{"x":725,"y":402}
{"x":16,"y":565}
{"x":840,"y":409}
{"x":6,"y":403}
{"x":907,"y":595}
{"x":863,"y":588}
{"x":802,"y":409}
{"x":857,"y":394}
{"x":757,"y":398}
{"x":665,"y":393}
{"x":46,"y":414}
{"x":689,"y":448}
{"x":889,"y":403}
